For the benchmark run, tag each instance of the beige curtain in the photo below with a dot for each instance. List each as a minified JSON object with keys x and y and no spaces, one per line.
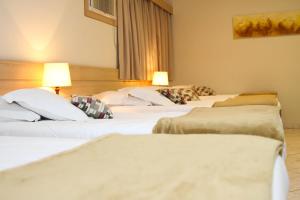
{"x":144,"y":39}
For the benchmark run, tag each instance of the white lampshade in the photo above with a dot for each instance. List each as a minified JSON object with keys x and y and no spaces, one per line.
{"x":56,"y":75}
{"x":160,"y":78}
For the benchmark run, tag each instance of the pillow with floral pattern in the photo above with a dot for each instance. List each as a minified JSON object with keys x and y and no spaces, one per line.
{"x":175,"y":98}
{"x":203,"y":91}
{"x":92,"y":107}
{"x":180,"y":95}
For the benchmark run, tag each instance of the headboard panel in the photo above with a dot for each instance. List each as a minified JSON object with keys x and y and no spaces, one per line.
{"x":85,"y":80}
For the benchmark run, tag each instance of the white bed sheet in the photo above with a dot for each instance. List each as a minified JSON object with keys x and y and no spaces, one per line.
{"x":127,"y":120}
{"x":17,"y":151}
{"x":136,"y":123}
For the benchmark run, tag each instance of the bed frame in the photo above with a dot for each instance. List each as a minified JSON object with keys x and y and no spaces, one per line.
{"x":86,"y":80}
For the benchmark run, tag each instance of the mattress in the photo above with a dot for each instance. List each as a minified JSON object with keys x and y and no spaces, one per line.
{"x":31,"y":149}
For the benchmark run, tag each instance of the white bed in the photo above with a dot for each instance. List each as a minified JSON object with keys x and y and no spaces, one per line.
{"x":127,"y":120}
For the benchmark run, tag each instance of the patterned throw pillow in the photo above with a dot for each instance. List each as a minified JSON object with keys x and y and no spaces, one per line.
{"x":92,"y":107}
{"x":179,"y":95}
{"x":204,"y":91}
{"x":172,"y":96}
{"x":187,"y":93}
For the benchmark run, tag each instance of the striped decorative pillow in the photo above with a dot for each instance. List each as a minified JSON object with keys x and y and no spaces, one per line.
{"x":92,"y":107}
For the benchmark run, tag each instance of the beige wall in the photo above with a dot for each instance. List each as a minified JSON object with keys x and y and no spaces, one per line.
{"x":54,"y":30}
{"x":206,"y":54}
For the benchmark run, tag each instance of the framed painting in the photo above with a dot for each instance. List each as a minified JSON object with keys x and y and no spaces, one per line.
{"x":268,"y":24}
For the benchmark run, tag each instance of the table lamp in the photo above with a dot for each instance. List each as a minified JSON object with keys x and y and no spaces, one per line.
{"x":160,"y":78}
{"x":56,"y":75}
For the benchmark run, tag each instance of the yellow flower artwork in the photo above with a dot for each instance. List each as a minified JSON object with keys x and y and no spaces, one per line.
{"x":262,"y":25}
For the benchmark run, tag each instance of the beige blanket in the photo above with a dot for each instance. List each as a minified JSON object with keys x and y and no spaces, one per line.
{"x":249,"y":99}
{"x":252,"y":120}
{"x":153,"y":167}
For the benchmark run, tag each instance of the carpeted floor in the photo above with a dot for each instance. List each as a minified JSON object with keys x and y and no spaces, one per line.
{"x":293,"y":162}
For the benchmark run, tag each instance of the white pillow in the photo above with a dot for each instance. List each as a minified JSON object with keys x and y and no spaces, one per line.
{"x":46,"y":104}
{"x":114,"y":98}
{"x":181,"y":86}
{"x":14,"y":112}
{"x":150,"y":95}
{"x":154,"y":88}
{"x":128,"y":89}
{"x":133,"y":101}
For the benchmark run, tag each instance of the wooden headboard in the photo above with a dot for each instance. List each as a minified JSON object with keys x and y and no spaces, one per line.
{"x":85,"y":80}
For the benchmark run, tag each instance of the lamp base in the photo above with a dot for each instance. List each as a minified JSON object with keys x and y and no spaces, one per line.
{"x":57,"y":90}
